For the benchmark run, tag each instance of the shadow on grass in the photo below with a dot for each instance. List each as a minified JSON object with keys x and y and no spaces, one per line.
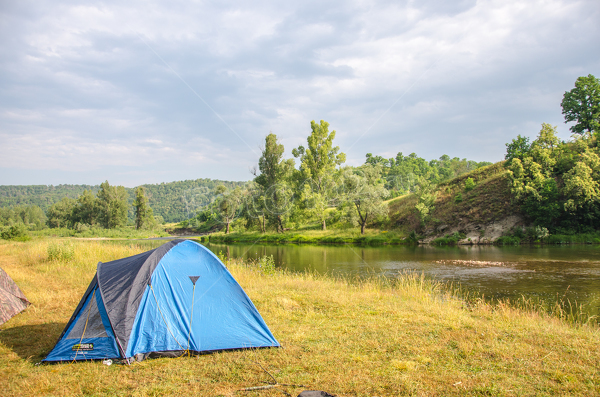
{"x":32,"y":342}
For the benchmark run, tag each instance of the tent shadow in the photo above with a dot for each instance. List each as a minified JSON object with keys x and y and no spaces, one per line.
{"x":32,"y":342}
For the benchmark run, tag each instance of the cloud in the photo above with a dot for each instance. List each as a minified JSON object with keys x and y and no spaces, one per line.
{"x":136,"y":91}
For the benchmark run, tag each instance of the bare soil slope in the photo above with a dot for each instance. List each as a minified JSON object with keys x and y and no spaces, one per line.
{"x":482,"y":213}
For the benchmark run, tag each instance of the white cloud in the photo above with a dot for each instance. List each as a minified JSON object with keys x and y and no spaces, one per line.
{"x":82,"y":87}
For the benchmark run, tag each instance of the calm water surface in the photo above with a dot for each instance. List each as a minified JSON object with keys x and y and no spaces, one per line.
{"x":545,"y":273}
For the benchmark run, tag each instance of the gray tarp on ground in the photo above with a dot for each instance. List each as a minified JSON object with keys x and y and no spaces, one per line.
{"x":12,"y":300}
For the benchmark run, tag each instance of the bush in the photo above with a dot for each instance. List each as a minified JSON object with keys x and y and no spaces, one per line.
{"x":60,"y":252}
{"x":266,"y":264}
{"x":16,"y":232}
{"x":469,"y":184}
{"x":449,"y":239}
{"x":508,"y":240}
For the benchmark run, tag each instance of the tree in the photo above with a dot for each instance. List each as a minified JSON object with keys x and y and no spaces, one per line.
{"x":318,"y":163}
{"x":582,"y":105}
{"x":274,"y":180}
{"x":61,"y":214}
{"x":365,"y":192}
{"x":426,"y":196}
{"x":86,"y":209}
{"x":254,"y":210}
{"x":518,"y":148}
{"x":144,"y":216}
{"x":228,"y":204}
{"x":112,"y":203}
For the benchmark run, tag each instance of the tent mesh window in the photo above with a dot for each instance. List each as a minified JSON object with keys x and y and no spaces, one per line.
{"x":91,"y":315}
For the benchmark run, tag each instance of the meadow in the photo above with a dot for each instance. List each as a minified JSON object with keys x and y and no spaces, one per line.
{"x":409,"y":336}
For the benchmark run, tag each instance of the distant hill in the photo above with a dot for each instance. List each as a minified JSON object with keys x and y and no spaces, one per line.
{"x":174,"y":201}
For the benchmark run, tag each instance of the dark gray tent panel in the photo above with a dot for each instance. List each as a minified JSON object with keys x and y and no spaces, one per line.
{"x":12,"y":299}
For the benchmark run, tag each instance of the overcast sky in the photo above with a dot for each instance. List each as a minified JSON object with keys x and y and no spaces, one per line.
{"x":148,"y":92}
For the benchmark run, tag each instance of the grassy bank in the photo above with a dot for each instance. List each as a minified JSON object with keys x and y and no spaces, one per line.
{"x":371,"y":237}
{"x":372,"y":338}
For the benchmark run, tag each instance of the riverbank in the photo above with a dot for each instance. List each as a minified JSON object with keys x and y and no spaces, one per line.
{"x":410,"y":336}
{"x":371,"y":237}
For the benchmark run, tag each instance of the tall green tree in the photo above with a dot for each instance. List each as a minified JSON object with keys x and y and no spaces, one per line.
{"x":61,"y":214}
{"x":113,"y":206}
{"x":364,"y":191}
{"x":228,"y":204}
{"x":318,"y":162}
{"x":517,"y":148}
{"x":582,"y":105}
{"x":144,"y":216}
{"x":86,"y":209}
{"x":274,"y":179}
{"x":254,"y":209}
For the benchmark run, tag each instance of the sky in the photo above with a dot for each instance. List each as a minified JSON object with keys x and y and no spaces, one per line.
{"x":146,"y":92}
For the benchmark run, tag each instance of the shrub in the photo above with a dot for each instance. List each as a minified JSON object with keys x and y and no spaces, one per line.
{"x":60,"y":252}
{"x":16,"y":232}
{"x":266,"y":264}
{"x":449,"y":239}
{"x":469,"y":184}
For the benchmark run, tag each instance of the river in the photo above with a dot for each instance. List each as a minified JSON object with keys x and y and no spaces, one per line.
{"x":544,"y":274}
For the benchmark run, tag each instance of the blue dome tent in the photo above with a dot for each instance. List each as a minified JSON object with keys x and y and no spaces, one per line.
{"x":178,"y":298}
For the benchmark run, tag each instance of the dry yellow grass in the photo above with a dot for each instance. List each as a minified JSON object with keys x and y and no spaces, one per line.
{"x":348,"y":338}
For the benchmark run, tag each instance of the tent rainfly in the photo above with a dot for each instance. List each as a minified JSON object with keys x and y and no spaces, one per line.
{"x":12,"y":300}
{"x":176,"y":299}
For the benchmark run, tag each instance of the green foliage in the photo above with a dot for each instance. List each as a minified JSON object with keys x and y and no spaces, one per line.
{"x":426,"y":196}
{"x":31,"y":216}
{"x":173,"y":201}
{"x":458,"y":198}
{"x":404,"y":174}
{"x":144,"y":216}
{"x":363,"y":195}
{"x":266,"y":264}
{"x":16,"y":232}
{"x":518,"y":148}
{"x":582,"y":105}
{"x":469,"y":184}
{"x":112,"y":201}
{"x":60,"y":252}
{"x":228,"y":205}
{"x":318,"y":176}
{"x":86,"y":210}
{"x":452,"y":239}
{"x":274,"y":184}
{"x":556,"y":183}
{"x":60,"y":214}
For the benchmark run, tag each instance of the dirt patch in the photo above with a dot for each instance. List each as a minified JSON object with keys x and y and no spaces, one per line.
{"x":477,"y":233}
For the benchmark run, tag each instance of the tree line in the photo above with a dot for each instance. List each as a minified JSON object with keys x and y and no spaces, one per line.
{"x":173,"y":201}
{"x":107,"y":209}
{"x":557,"y":182}
{"x":322,"y":189}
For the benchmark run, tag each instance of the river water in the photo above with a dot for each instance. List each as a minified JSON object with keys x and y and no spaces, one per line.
{"x":543,"y":274}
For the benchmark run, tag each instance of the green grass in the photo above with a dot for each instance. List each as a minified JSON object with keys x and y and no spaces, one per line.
{"x":408,"y":336}
{"x":371,"y":237}
{"x":97,"y":232}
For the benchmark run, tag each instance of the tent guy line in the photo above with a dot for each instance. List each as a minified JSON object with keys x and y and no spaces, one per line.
{"x":193,"y":90}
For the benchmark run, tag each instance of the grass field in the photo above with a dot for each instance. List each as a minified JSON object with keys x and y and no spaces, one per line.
{"x":350,"y":338}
